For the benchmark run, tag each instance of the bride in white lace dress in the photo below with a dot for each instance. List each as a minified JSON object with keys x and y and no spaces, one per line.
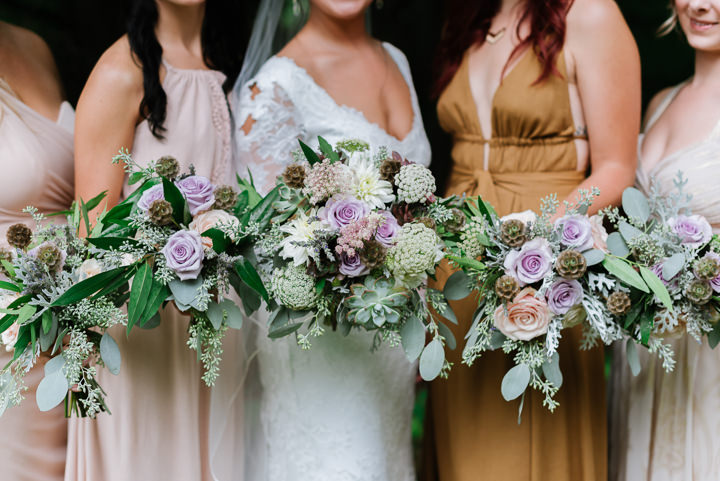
{"x":666,"y":426}
{"x":337,"y":412}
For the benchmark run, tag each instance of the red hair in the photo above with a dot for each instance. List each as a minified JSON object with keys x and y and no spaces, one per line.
{"x":468,"y":23}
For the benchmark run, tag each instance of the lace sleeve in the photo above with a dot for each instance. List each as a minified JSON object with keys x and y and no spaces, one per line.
{"x":268,"y":129}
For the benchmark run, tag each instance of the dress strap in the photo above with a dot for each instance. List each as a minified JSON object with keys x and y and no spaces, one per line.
{"x":664,"y":105}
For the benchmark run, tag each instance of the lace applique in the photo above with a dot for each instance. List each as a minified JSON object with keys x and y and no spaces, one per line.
{"x":266,"y":149}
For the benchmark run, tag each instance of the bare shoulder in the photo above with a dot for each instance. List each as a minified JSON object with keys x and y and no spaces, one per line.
{"x":587,"y":16}
{"x":655,"y":103}
{"x":27,"y":47}
{"x":118,"y":71}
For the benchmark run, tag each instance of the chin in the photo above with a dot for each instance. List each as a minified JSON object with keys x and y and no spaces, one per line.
{"x":342,"y":9}
{"x":184,"y":3}
{"x":702,"y":36}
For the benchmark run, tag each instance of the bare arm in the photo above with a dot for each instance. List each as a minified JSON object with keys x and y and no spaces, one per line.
{"x":607,"y":67}
{"x":107,"y":114}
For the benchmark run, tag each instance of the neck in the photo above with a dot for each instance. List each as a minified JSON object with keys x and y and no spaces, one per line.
{"x":707,"y":68}
{"x":339,"y":32}
{"x":181,"y":24}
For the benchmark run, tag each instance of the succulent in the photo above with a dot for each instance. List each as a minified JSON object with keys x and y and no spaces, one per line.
{"x":376,"y":301}
{"x":706,"y":269}
{"x":19,"y":235}
{"x":50,"y":255}
{"x":167,"y":166}
{"x":294,"y":176}
{"x":699,"y":292}
{"x":506,"y":287}
{"x":512,"y":232}
{"x":389,"y":168}
{"x":618,"y":303}
{"x":571,"y":264}
{"x":373,"y":254}
{"x":225,"y":197}
{"x":456,"y":222}
{"x":160,"y":212}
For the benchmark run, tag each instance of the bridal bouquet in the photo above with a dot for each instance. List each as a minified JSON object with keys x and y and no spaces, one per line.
{"x":190,"y":242}
{"x":351,"y":244}
{"x":667,"y":264}
{"x":44,"y":322}
{"x":534,"y":278}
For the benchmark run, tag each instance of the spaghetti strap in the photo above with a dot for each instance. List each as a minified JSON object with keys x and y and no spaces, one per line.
{"x":664,"y":105}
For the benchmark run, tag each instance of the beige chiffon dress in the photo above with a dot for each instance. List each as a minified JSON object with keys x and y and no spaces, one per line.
{"x":36,"y":155}
{"x":666,"y":425}
{"x":159,"y":426}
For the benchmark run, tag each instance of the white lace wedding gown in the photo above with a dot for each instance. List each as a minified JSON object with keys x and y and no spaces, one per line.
{"x":666,"y":426}
{"x":337,"y":412}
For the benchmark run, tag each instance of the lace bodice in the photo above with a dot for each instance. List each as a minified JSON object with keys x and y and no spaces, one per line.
{"x":337,"y":412}
{"x":290,"y":105}
{"x":699,"y":163}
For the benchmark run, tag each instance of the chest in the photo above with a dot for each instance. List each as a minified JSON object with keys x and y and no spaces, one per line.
{"x":675,"y":131}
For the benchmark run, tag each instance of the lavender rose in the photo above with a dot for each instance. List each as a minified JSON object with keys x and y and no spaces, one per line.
{"x":343,"y":211}
{"x":531,"y":263}
{"x":389,"y":229}
{"x":351,"y":266}
{"x":184,"y":254}
{"x":563,"y":295}
{"x":149,"y":196}
{"x":694,"y":230}
{"x":576,"y":232}
{"x":198,"y":191}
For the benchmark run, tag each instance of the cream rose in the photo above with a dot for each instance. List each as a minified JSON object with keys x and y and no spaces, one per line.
{"x":599,"y":234}
{"x":208,"y":220}
{"x":10,"y":335}
{"x":89,"y":268}
{"x":525,"y":318}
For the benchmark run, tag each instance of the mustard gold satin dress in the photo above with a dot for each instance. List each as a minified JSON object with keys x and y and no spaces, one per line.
{"x":531,"y":154}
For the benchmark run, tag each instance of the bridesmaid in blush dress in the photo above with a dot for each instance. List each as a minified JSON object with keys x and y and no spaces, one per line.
{"x":157,"y":91}
{"x":528,"y":93}
{"x":37,"y":159}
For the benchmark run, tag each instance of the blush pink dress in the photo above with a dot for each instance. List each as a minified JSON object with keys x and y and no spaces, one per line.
{"x":37,"y":158}
{"x":159,"y":427}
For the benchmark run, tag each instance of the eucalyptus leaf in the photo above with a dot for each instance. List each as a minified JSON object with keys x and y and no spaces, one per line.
{"x":286,"y":330}
{"x":447,"y":312}
{"x":432,"y":360}
{"x":625,"y":272}
{"x":110,"y":353}
{"x":656,"y":286}
{"x":445,"y":332}
{"x":233,"y":314}
{"x":515,"y":382}
{"x":185,"y":292}
{"x":412,"y":334}
{"x":471,"y":340}
{"x":616,"y":245}
{"x":632,"y":357}
{"x":628,"y":231}
{"x":673,"y":265}
{"x":635,"y":204}
{"x":714,"y":336}
{"x":51,"y":391}
{"x":55,"y":364}
{"x":497,"y":339}
{"x":551,"y":370}
{"x":48,"y":338}
{"x":457,"y":286}
{"x":594,"y":256}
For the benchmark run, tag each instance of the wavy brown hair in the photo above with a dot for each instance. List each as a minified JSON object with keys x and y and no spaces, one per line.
{"x":468,"y":23}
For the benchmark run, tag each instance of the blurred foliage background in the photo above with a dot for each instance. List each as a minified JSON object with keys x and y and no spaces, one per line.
{"x":78,"y":31}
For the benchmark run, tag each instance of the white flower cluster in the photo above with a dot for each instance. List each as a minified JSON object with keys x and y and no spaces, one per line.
{"x":294,"y":288}
{"x":417,"y":250}
{"x":415,"y":183}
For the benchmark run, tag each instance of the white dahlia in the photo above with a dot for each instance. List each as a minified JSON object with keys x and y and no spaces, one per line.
{"x":367,"y":184}
{"x":298,"y":244}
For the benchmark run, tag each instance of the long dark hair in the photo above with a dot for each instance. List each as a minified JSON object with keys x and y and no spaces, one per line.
{"x":468,"y":22}
{"x":225,"y":33}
